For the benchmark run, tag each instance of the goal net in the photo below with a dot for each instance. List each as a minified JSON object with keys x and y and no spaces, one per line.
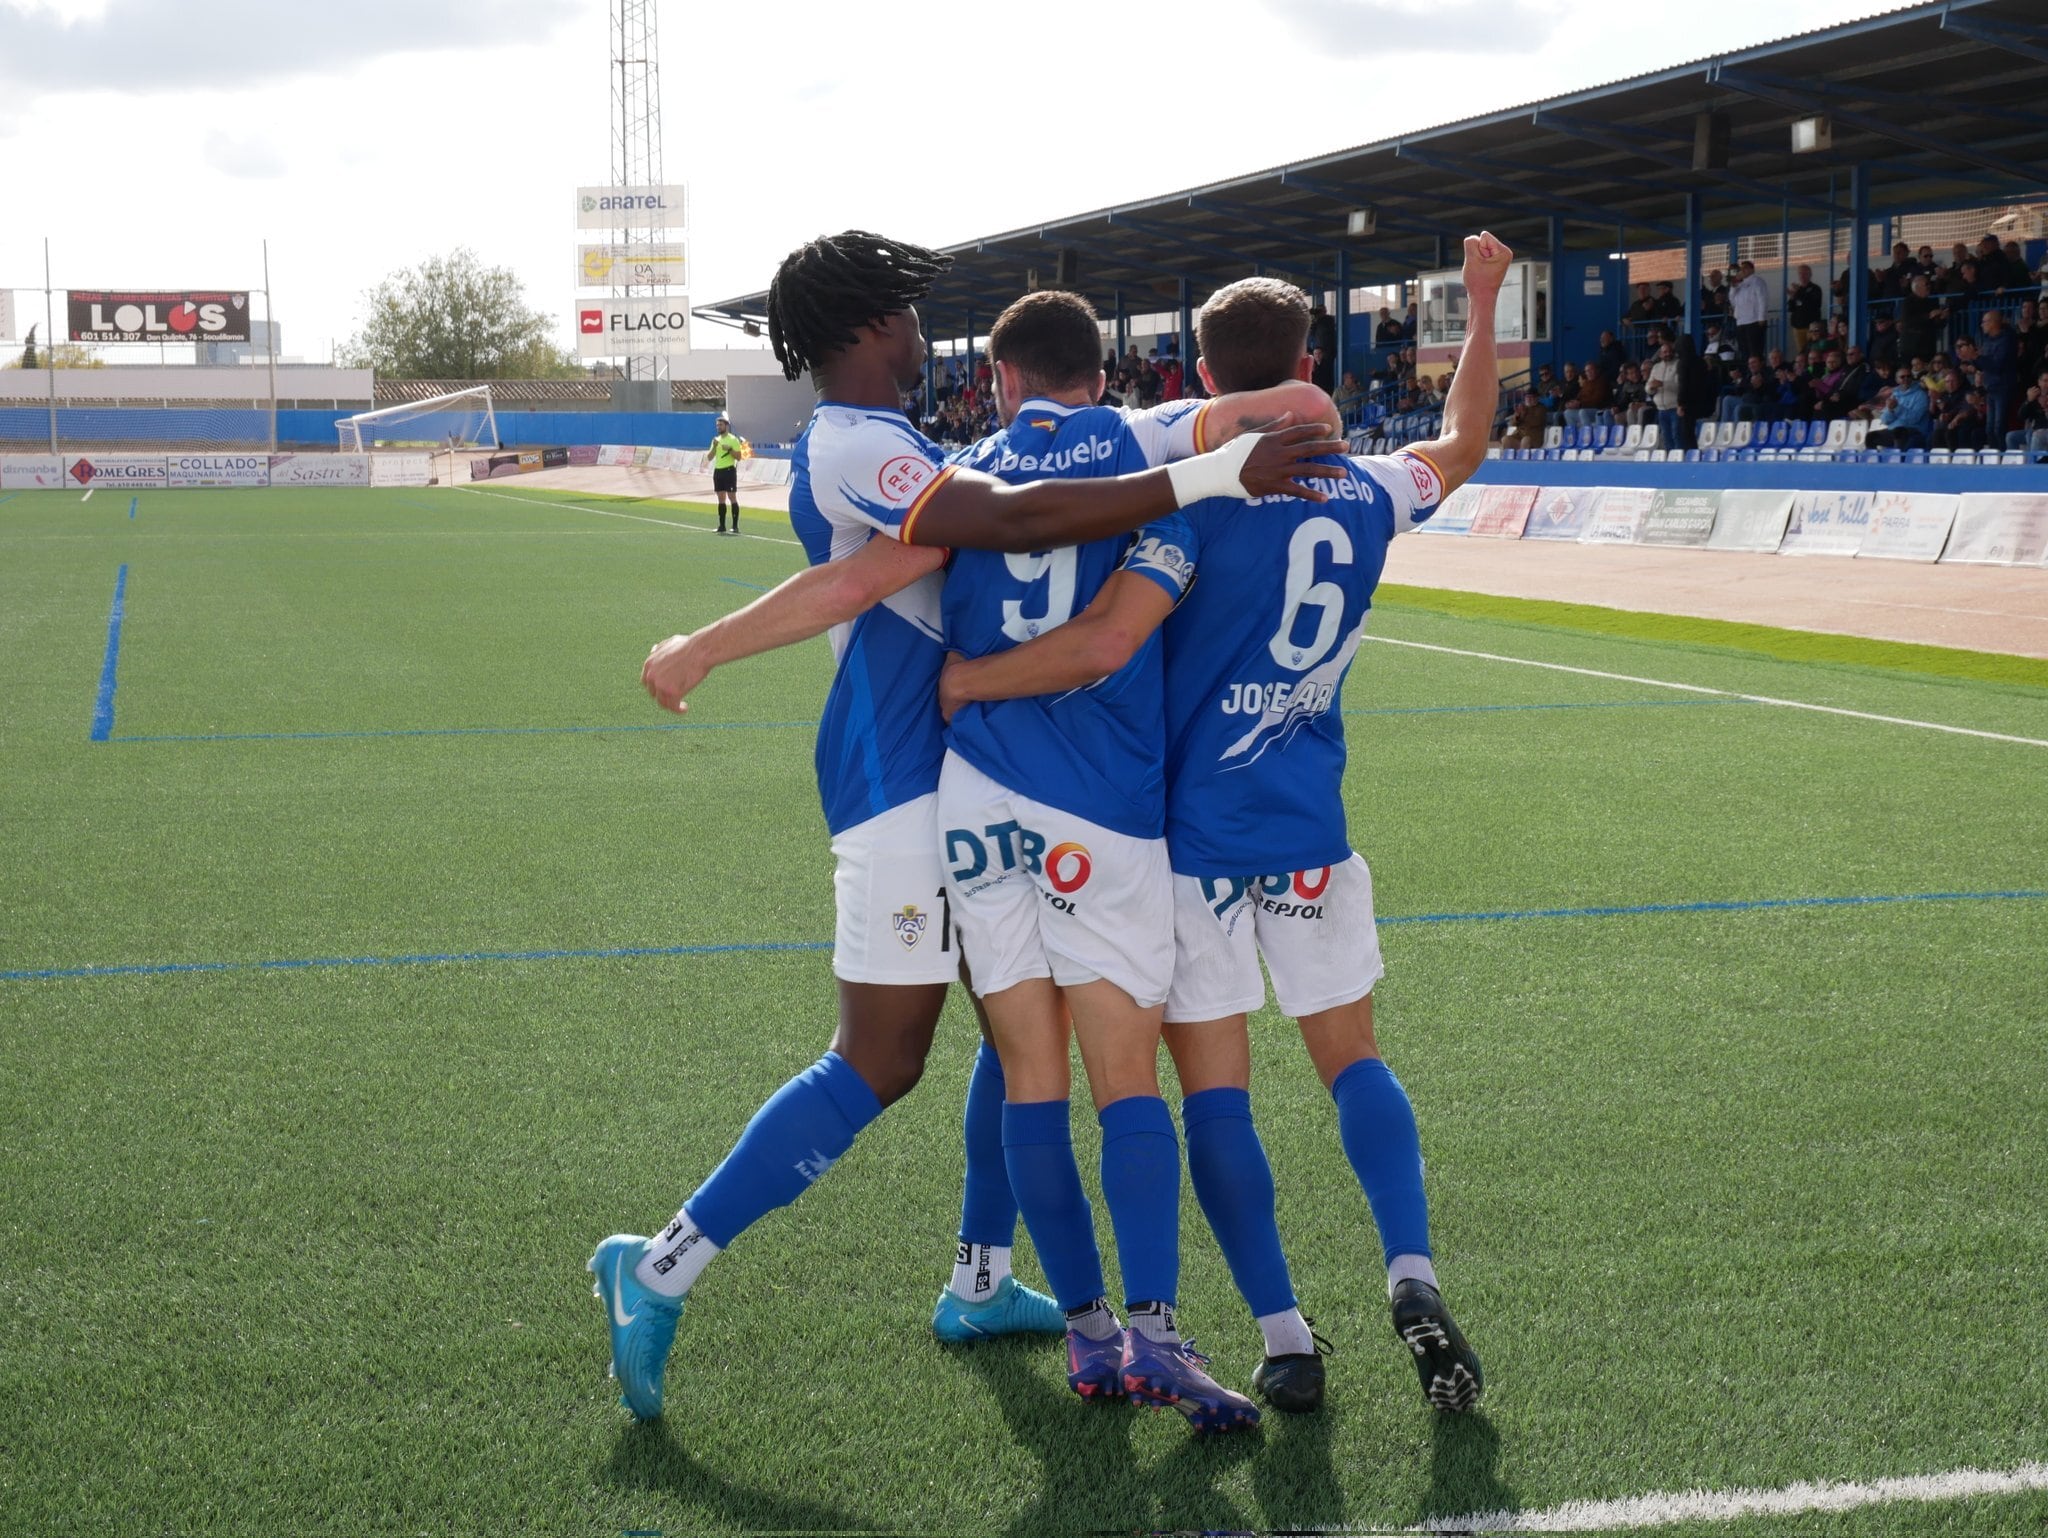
{"x":461,"y":419}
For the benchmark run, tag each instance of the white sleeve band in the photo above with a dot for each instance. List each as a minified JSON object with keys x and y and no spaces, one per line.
{"x":1214,"y":474}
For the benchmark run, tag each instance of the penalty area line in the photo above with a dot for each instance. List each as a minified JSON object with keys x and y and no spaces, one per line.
{"x":1669,"y":1508}
{"x":605,"y":512}
{"x":1726,"y":694}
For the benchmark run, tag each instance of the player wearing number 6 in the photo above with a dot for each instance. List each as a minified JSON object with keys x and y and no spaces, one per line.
{"x":875,"y":506}
{"x":1256,"y":657}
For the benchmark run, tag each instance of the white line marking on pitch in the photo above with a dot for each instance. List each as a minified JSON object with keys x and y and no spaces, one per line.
{"x":1727,"y":1505}
{"x":1726,"y":694}
{"x":604,"y":512}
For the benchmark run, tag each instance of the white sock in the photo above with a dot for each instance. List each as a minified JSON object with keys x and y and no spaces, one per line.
{"x":674,"y":1257}
{"x":1097,"y":1321}
{"x":978,"y":1270}
{"x":1409,"y":1268}
{"x":1287,"y":1333}
{"x":1154,"y":1321}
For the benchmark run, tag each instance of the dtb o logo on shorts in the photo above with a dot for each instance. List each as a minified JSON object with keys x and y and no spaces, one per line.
{"x":1294,"y":896}
{"x":1003,"y":849}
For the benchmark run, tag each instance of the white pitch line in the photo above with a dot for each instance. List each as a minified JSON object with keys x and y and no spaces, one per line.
{"x":1726,"y":694}
{"x":1726,"y":1505}
{"x":605,"y":512}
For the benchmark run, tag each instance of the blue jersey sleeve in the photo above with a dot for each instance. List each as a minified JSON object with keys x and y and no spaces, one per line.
{"x":1164,"y":554}
{"x":1411,"y":480}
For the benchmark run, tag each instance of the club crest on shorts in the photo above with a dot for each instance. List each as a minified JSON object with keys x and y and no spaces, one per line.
{"x":910,"y":924}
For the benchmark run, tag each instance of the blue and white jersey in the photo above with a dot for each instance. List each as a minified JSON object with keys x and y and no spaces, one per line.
{"x":860,"y":472}
{"x":1169,"y":431}
{"x":1255,"y":665}
{"x":1096,"y":752}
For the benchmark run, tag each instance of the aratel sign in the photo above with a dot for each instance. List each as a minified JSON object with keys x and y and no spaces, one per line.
{"x":123,"y":315}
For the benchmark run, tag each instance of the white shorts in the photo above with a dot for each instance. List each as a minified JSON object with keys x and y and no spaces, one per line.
{"x":892,"y":900}
{"x":1038,"y":892}
{"x":1315,"y":929}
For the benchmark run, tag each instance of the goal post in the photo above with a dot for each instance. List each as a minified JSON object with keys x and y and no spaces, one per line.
{"x":461,"y":419}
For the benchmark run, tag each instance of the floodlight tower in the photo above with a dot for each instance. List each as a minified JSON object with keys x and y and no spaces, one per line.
{"x":636,"y":139}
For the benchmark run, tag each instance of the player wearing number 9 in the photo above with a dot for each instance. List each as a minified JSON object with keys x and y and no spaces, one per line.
{"x":1256,"y":658}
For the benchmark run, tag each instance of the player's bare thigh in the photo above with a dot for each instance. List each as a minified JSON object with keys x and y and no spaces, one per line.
{"x":885,"y":1032}
{"x":1211,"y":1054}
{"x":1119,"y":1041}
{"x":1028,"y":1023}
{"x":1338,"y":1037}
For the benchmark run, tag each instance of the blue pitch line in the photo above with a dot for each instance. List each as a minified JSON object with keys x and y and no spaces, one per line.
{"x":468,"y":731}
{"x":10,"y":496}
{"x":735,"y":581}
{"x":131,"y":508}
{"x":1459,"y":710}
{"x":709,"y":726}
{"x":103,"y":706}
{"x":424,"y":959}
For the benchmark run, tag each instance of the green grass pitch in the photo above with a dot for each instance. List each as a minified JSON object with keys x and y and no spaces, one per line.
{"x":1726,"y":1197}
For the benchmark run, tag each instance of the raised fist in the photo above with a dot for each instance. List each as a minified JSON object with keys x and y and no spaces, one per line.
{"x":1486,"y":262}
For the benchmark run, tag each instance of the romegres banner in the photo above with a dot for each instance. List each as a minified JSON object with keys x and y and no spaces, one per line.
{"x":129,"y":315}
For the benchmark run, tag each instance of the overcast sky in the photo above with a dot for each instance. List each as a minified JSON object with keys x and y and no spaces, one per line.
{"x":157,"y":144}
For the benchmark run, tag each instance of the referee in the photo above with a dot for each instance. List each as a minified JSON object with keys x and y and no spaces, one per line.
{"x":726,"y":450}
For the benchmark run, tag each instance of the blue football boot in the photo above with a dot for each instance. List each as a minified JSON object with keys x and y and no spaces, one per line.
{"x":1095,"y":1367}
{"x":1013,"y":1310}
{"x":1170,"y":1377}
{"x":642,"y":1323}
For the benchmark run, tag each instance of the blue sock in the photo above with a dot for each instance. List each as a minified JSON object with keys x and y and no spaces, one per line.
{"x":792,"y":1140}
{"x":1038,"y":1148}
{"x":1377,"y":1126}
{"x":988,"y":1209}
{"x":1234,"y":1184}
{"x":1141,"y":1187}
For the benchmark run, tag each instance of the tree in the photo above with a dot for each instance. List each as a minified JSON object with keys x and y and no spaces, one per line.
{"x":451,"y":317}
{"x":63,"y":355}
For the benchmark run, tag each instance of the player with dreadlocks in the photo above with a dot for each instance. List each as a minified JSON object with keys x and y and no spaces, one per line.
{"x":842,"y":307}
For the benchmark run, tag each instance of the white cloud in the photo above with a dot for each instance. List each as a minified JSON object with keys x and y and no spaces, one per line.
{"x":1366,"y":28}
{"x":243,"y":155}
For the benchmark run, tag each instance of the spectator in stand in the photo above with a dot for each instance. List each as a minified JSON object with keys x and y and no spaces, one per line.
{"x":1962,"y":427}
{"x":1666,"y":306}
{"x":1748,"y":301}
{"x":1323,"y":369}
{"x":1547,"y":388}
{"x":1920,"y":317}
{"x":1718,"y":352}
{"x":1850,"y":390}
{"x":1998,"y":359}
{"x":1832,"y":373}
{"x":1907,"y":416}
{"x":1350,"y":398}
{"x":1644,"y":310}
{"x":1895,"y":280}
{"x":1612,"y":355}
{"x":1596,"y":396}
{"x":1884,"y":344}
{"x":2032,"y":435}
{"x":1757,"y":401}
{"x":1411,"y":323}
{"x":1663,"y":386}
{"x":1631,"y":400}
{"x":1568,"y":396}
{"x":1714,"y":296}
{"x":1388,"y":332}
{"x":1527,"y":426}
{"x":1794,"y":395}
{"x":2029,"y":341}
{"x":1998,"y":274}
{"x":1803,"y":305}
{"x":1698,"y":392}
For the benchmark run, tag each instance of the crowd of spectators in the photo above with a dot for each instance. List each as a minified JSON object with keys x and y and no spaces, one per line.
{"x":1942,"y":368}
{"x":964,"y":406}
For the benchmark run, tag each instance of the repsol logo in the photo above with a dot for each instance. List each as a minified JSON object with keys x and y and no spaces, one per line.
{"x":1087,"y":452}
{"x":1004,"y":847}
{"x":1254,"y":699}
{"x":1295,"y":894}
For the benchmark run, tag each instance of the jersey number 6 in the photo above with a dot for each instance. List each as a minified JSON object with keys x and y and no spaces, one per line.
{"x":1304,"y":592}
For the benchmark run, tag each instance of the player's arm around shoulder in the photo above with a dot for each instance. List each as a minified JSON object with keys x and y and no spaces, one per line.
{"x":806,"y":605}
{"x":1087,"y":648}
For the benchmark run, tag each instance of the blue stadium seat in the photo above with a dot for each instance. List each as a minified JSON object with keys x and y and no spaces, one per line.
{"x":1694,"y":456}
{"x":1781,"y":434}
